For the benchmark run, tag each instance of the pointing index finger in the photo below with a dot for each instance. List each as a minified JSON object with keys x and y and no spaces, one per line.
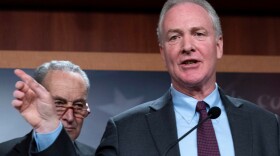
{"x":28,"y":80}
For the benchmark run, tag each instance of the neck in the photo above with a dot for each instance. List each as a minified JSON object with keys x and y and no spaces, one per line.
{"x":197,"y":92}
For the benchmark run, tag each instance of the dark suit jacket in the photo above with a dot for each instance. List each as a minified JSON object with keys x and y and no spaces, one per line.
{"x":24,"y":146}
{"x":148,"y":129}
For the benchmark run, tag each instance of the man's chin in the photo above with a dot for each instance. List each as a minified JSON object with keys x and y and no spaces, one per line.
{"x":73,"y":138}
{"x":72,"y":134}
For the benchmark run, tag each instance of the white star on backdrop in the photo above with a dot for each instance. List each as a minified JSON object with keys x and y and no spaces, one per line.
{"x":119,"y":104}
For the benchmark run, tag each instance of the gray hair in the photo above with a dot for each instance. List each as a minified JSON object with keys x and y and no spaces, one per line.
{"x":66,"y":66}
{"x":203,"y":3}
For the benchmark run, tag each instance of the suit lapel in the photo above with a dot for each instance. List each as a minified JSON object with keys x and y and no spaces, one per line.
{"x":240,"y":125}
{"x":162,"y":124}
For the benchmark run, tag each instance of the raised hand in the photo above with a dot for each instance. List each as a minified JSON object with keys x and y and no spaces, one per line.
{"x":34,"y":103}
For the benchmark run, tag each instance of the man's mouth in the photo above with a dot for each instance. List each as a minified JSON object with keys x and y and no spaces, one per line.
{"x":69,"y":128}
{"x":187,"y":62}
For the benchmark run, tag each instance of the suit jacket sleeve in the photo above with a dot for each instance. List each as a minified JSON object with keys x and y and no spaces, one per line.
{"x":109,"y":142}
{"x":62,"y":146}
{"x":278,"y":119}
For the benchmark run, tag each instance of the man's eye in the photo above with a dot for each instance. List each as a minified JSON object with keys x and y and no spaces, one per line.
{"x":79,"y":105}
{"x":174,"y":38}
{"x":199,"y":34}
{"x":58,"y":102}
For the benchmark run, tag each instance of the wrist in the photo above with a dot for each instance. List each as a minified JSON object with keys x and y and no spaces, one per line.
{"x":47,"y":126}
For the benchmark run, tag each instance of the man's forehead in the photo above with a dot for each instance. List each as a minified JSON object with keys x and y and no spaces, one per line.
{"x":187,"y":14}
{"x":57,"y":97}
{"x":187,"y":9}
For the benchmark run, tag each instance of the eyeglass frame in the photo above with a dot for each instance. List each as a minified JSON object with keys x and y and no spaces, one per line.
{"x":71,"y":106}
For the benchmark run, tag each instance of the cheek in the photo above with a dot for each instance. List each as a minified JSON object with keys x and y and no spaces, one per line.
{"x":209,"y":51}
{"x":171,"y":53}
{"x":79,"y":122}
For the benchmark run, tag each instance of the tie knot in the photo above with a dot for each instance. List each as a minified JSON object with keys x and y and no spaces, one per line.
{"x":201,"y":105}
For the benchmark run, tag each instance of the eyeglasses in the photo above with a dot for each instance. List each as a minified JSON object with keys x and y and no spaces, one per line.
{"x":80,"y":109}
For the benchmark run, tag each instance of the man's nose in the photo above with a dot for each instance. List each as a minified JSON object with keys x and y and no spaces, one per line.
{"x":69,"y":115}
{"x":187,"y":45}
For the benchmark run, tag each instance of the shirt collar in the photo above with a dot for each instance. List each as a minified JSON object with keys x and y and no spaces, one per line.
{"x":185,"y":105}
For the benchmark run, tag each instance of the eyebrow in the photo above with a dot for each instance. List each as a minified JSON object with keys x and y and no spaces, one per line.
{"x":65,"y":100}
{"x":198,"y":28}
{"x":59,"y":98}
{"x":174,"y":31}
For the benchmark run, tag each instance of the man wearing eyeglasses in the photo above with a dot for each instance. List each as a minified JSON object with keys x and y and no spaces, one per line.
{"x":68,"y":85}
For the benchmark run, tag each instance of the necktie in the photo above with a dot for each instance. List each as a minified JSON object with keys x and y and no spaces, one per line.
{"x":206,"y":139}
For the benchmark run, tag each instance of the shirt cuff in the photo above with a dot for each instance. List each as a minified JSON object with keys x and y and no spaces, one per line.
{"x":44,"y":140}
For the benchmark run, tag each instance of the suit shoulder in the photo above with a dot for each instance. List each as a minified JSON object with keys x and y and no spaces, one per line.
{"x":8,"y":145}
{"x":136,"y":110}
{"x":85,"y":149}
{"x":15,"y":141}
{"x":142,"y":109}
{"x":250,"y":106}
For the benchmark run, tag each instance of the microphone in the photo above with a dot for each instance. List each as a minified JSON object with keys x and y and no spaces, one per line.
{"x":213,"y":113}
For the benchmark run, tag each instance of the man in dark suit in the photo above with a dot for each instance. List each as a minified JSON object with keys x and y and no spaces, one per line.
{"x":191,"y":42}
{"x":68,"y":85}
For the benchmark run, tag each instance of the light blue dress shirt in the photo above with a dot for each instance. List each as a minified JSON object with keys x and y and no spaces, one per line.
{"x":187,"y":118}
{"x":44,"y":140}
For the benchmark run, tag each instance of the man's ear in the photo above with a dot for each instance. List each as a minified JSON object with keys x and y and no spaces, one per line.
{"x":219,"y":46}
{"x":162,"y":52}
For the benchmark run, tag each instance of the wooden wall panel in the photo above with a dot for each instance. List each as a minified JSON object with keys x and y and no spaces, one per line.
{"x":77,"y":31}
{"x":251,"y":35}
{"x":123,"y":32}
{"x":133,"y":61}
